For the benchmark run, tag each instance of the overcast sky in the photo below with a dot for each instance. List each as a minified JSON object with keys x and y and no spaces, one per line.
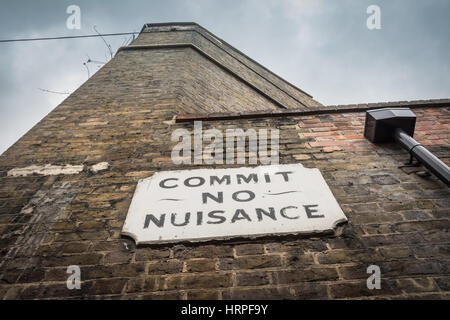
{"x":322,"y":46}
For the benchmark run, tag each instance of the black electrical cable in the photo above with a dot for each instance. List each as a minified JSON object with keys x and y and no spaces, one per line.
{"x":70,"y":37}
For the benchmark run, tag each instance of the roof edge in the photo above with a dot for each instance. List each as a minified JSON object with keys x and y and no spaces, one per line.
{"x":414,"y":104}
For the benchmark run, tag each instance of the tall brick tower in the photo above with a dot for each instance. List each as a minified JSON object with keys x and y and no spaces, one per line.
{"x":66,"y":186}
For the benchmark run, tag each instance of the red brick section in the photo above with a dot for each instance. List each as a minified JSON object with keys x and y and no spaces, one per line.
{"x":345,"y":131}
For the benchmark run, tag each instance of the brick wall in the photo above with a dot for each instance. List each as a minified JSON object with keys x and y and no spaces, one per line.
{"x":398,"y":217}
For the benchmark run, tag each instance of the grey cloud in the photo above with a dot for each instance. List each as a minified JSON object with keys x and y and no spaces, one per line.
{"x":322,"y":46}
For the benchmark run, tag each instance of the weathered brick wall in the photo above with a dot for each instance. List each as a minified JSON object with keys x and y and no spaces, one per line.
{"x":398,"y":218}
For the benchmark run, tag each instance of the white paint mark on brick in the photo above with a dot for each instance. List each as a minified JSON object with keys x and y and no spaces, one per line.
{"x":170,"y":122}
{"x":27,"y":210}
{"x":46,"y":170}
{"x":99,"y":167}
{"x":93,"y":123}
{"x":54,"y":170}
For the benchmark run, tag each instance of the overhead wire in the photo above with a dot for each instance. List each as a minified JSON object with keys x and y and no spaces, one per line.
{"x":69,"y":37}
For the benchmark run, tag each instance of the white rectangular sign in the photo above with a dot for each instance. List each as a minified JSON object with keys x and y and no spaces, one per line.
{"x":206,"y":204}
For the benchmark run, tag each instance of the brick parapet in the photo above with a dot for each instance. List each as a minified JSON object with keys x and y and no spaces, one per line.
{"x":436,"y":103}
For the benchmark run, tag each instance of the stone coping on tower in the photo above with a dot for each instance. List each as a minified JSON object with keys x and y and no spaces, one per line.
{"x":189,"y":34}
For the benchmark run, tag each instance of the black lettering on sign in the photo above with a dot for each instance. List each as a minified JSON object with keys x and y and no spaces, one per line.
{"x":260,"y":212}
{"x":150,"y":217}
{"x":251,"y":196}
{"x":213,"y":215}
{"x":213,"y":179}
{"x":310,"y":211}
{"x":250,"y":177}
{"x":285,"y":175}
{"x":162,"y":184}
{"x":187,"y":217}
{"x":188,"y":183}
{"x":199,"y":218}
{"x":240,"y":212}
{"x":284,"y":215}
{"x":218,"y":199}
